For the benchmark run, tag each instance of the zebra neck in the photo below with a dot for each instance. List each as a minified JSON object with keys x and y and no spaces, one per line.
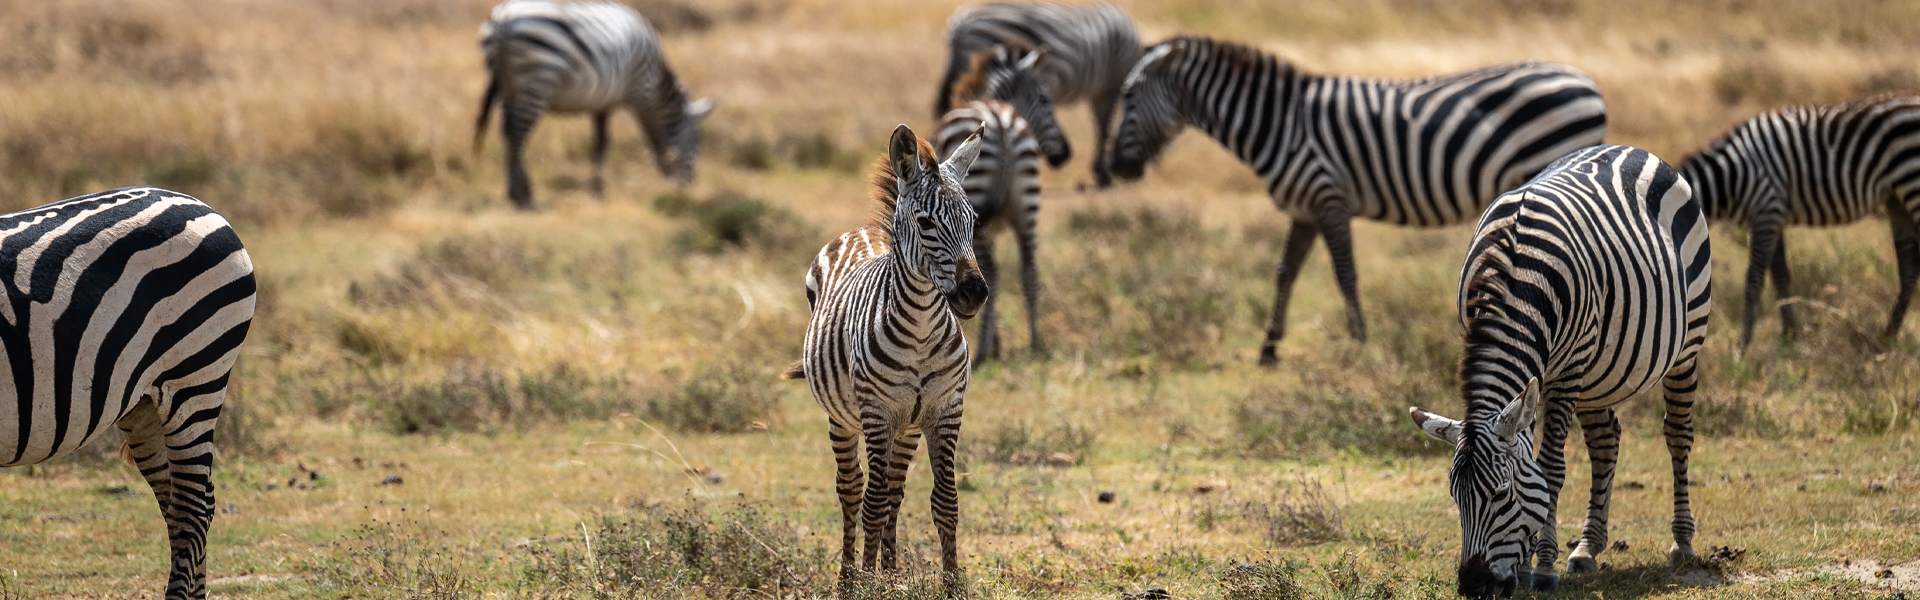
{"x":1252,"y":114}
{"x":1718,"y":175}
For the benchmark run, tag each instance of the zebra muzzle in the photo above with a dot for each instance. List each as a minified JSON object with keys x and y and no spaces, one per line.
{"x":969,"y":292}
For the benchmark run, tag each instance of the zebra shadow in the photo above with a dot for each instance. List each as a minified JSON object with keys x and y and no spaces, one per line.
{"x":1644,"y":579}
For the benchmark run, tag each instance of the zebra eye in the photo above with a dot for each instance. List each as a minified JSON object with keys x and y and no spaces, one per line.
{"x":925,"y":221}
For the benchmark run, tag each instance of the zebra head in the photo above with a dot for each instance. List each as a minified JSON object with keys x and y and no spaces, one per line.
{"x":1150,"y":116}
{"x":932,"y":219}
{"x":682,"y":146}
{"x":1498,"y":488}
{"x":1013,"y":76}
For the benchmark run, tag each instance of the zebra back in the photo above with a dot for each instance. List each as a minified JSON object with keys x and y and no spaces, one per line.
{"x":1007,"y":173}
{"x":1812,"y":165}
{"x":1090,"y":46}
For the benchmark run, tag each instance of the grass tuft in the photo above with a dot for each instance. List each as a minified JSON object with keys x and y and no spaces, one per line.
{"x":686,"y":550}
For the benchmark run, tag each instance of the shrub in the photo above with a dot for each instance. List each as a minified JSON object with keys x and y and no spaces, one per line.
{"x":729,"y":220}
{"x":684,"y":551}
{"x":1146,"y":285}
{"x":1020,"y":443}
{"x":720,"y":398}
{"x":389,"y":560}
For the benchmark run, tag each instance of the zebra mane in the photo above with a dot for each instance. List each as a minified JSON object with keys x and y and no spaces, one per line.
{"x":972,"y":84}
{"x":1487,"y":321}
{"x":1239,"y":56}
{"x":884,"y":196}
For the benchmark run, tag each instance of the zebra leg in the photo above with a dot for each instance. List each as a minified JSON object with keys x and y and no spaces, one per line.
{"x":1782,"y":290}
{"x":1764,"y":236}
{"x":946,"y":495}
{"x":146,"y":445}
{"x":1299,"y":245}
{"x":1553,"y":468}
{"x":1334,"y":227}
{"x":1906,"y":250}
{"x":1681,"y":382}
{"x":879,"y":434}
{"x":599,"y":182}
{"x":1029,"y":283}
{"x":189,"y":448}
{"x":848,"y":481}
{"x":988,"y":349}
{"x":1602,"y":432}
{"x":1102,"y":105}
{"x":517,"y":123}
{"x":903,"y":448}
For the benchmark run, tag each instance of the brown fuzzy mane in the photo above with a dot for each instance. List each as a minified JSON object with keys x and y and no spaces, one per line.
{"x":972,"y":85}
{"x":883,"y":199}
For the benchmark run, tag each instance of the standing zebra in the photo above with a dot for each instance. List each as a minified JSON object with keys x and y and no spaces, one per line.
{"x":126,"y":308}
{"x":884,"y":352}
{"x":1584,"y":288}
{"x":1815,"y":165}
{"x":1004,"y":184}
{"x":595,"y":57}
{"x":1423,"y":152}
{"x":1089,"y":49}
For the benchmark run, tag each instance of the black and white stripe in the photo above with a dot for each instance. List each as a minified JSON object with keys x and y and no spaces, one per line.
{"x":1584,"y":288}
{"x":125,"y":309}
{"x":595,"y":58}
{"x":884,"y":353}
{"x":1003,"y":186}
{"x":1818,"y":166}
{"x":1422,"y":152}
{"x":1089,"y":49}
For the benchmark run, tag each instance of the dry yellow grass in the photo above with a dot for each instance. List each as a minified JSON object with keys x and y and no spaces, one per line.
{"x":574,"y":364}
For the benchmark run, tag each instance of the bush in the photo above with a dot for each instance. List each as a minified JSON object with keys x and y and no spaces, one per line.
{"x":1065,"y":444}
{"x":1282,"y":423}
{"x":1145,"y":285}
{"x":1298,"y":512}
{"x":389,"y":560}
{"x":684,"y":551}
{"x":730,"y":220}
{"x":473,"y":397}
{"x":723,"y":398}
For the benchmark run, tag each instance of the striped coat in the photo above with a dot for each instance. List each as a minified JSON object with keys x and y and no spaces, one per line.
{"x":588,"y":57}
{"x":1422,"y":152}
{"x":125,"y":309}
{"x":1585,"y":288}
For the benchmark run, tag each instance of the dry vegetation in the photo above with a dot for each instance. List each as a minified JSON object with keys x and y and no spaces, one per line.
{"x":445,"y":398}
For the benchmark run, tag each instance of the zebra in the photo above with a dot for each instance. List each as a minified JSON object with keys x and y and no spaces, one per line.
{"x":1421,"y":152}
{"x":884,"y":353}
{"x":1004,"y":183}
{"x":1090,"y":47}
{"x":1821,"y":166}
{"x":126,"y":308}
{"x":596,"y":57}
{"x":1582,"y":289}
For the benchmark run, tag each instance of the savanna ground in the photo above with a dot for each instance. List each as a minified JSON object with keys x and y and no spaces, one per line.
{"x":445,"y":398}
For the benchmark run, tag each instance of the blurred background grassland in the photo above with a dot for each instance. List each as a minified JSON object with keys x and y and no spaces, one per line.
{"x":404,"y":308}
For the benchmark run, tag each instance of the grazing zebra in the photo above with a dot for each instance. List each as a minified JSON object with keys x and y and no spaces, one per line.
{"x":594,"y":58}
{"x":126,"y":309}
{"x":1004,"y":184}
{"x":1089,"y":49}
{"x":1582,"y":289}
{"x":1014,"y":75}
{"x":884,"y":352}
{"x":1815,"y":165}
{"x":1422,"y":152}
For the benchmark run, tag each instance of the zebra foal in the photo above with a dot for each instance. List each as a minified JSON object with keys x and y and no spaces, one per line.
{"x":1003,"y":98}
{"x":884,"y":353}
{"x":1819,"y":166}
{"x":1089,"y":47}
{"x":591,"y":57}
{"x":1584,"y":288}
{"x":1423,"y":152}
{"x":125,"y":309}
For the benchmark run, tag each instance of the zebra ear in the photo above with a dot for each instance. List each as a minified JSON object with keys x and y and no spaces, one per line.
{"x":903,"y":152}
{"x":1441,"y":428}
{"x":1518,"y":415}
{"x":1149,"y":63}
{"x":700,"y":108}
{"x":962,"y":158}
{"x":1032,"y":59}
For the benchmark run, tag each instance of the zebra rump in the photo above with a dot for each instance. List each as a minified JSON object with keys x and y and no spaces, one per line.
{"x":125,"y":308}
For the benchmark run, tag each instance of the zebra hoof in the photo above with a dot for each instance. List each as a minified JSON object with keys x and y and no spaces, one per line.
{"x":1545,"y":581}
{"x":1680,"y":556}
{"x":1268,"y":358}
{"x":1582,"y":564}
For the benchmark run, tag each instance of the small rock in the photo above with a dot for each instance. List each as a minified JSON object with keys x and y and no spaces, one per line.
{"x":392,"y":480}
{"x":715,"y":478}
{"x":230,"y":509}
{"x":1878,"y":487}
{"x":273,"y":486}
{"x":1619,"y":545}
{"x":1721,"y":554}
{"x":292,"y":482}
{"x":1631,"y":485}
{"x":1156,"y":594}
{"x":119,"y":490}
{"x":1060,"y":460}
{"x":1884,"y":573}
{"x":1106,"y":497}
{"x":1204,"y":488}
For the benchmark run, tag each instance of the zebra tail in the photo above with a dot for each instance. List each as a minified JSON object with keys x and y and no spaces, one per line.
{"x":957,"y":63}
{"x":797,"y":370}
{"x":486,"y":110}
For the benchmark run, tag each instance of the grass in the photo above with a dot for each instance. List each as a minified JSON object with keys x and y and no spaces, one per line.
{"x":580,"y":402}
